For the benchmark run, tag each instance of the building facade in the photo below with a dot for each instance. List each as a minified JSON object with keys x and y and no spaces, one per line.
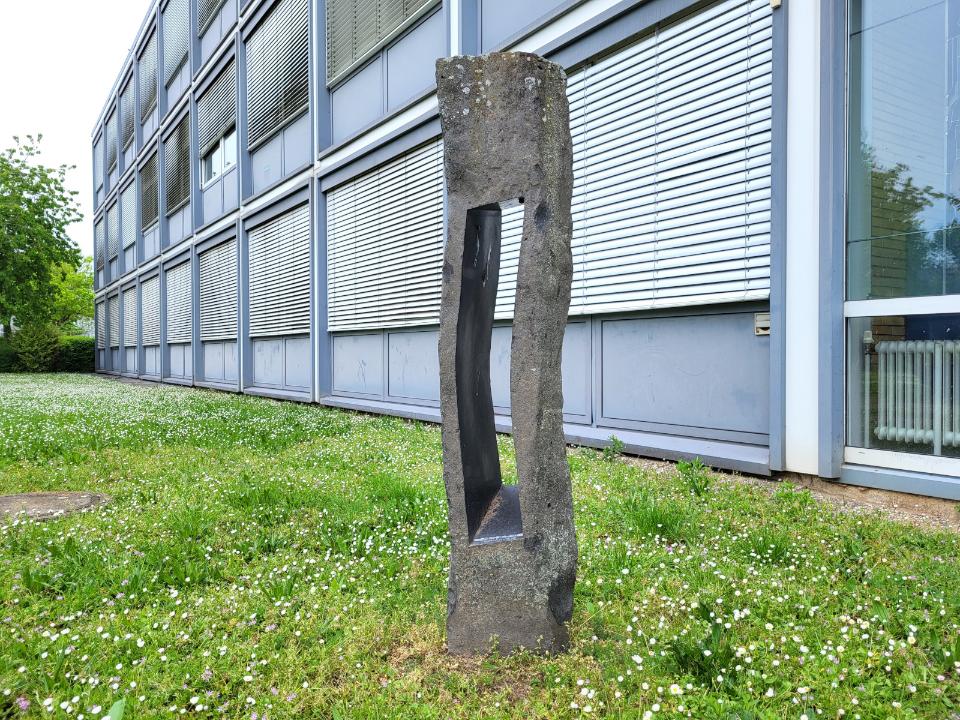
{"x":766,"y":252}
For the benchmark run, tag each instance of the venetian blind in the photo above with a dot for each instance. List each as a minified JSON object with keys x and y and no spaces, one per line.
{"x":218,"y":292}
{"x":112,"y":148}
{"x":176,"y":165}
{"x":217,"y":109}
{"x":179,"y":305}
{"x":127,"y":117}
{"x":99,"y":244}
{"x":278,"y":85}
{"x":357,"y":27}
{"x":113,"y":231}
{"x":149,"y":194}
{"x":150,"y":311}
{"x":128,"y":215}
{"x":113,"y":310}
{"x":101,"y":326}
{"x":385,"y":244}
{"x":206,"y":10}
{"x":280,"y":275}
{"x":176,"y":37}
{"x":147,"y":77}
{"x":130,"y":317}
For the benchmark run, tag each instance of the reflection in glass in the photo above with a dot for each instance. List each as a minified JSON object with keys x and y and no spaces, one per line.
{"x":904,"y":212}
{"x":903,"y":384}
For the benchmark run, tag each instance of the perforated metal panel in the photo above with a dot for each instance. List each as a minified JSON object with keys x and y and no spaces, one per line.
{"x":179,"y":304}
{"x":218,"y":292}
{"x":113,"y":231}
{"x":130,"y":317}
{"x":385,"y":244}
{"x":278,"y":78}
{"x":150,"y":311}
{"x":279,"y":268}
{"x":176,"y":165}
{"x":147,"y":77}
{"x":98,"y":311}
{"x":127,"y":115}
{"x":149,"y":194}
{"x":128,"y":215}
{"x":113,"y":309}
{"x":206,"y":10}
{"x":217,"y":109}
{"x":176,"y":37}
{"x":356,"y":27}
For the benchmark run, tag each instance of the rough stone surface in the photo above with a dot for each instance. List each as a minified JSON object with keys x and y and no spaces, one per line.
{"x":46,"y":505}
{"x":505,"y":121}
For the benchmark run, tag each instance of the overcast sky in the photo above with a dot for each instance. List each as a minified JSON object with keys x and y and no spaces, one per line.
{"x":58,"y":61}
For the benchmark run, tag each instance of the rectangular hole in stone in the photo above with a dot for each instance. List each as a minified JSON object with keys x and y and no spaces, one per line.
{"x":492,"y":508}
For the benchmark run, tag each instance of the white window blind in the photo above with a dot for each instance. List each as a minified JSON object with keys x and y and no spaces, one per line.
{"x":278,"y":83}
{"x":98,"y":163}
{"x":176,"y":37}
{"x":385,"y":244}
{"x":150,"y":311}
{"x":671,"y":199}
{"x":128,"y":215}
{"x":147,"y":77}
{"x":218,"y":292}
{"x":357,"y":27}
{"x":101,"y":326}
{"x":113,"y":231}
{"x":206,"y":10}
{"x":280,"y":275}
{"x":113,"y":309}
{"x":176,"y":165}
{"x":130,"y":317}
{"x":99,"y":244}
{"x":112,"y":147}
{"x":149,"y":194}
{"x":217,"y":109}
{"x":179,"y":305}
{"x":127,"y":116}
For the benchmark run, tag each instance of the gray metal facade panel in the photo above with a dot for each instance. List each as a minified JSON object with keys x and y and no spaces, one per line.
{"x":279,"y":275}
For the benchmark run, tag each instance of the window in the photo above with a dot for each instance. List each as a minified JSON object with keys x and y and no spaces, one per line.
{"x":278,"y":73}
{"x":216,"y":125}
{"x":903,"y":236}
{"x":220,"y":158}
{"x":176,"y":158}
{"x":357,"y":28}
{"x":147,"y":78}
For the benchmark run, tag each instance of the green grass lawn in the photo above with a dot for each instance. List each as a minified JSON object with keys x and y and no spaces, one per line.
{"x":273,"y":560}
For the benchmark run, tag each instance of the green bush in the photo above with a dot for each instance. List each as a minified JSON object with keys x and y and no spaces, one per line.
{"x":8,"y":356}
{"x":37,"y":347}
{"x":77,"y":353}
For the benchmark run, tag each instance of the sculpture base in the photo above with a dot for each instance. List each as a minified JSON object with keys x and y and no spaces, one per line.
{"x":503,"y":597}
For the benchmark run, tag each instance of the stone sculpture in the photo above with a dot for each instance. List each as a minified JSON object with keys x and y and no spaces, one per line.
{"x":505,"y":121}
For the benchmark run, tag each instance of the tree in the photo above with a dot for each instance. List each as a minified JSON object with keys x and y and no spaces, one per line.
{"x":35,"y":210}
{"x":73,"y":299}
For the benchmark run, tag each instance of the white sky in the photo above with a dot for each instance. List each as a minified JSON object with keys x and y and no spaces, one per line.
{"x":58,"y":62}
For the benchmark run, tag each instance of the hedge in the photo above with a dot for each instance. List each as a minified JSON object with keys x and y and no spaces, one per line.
{"x":73,"y":353}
